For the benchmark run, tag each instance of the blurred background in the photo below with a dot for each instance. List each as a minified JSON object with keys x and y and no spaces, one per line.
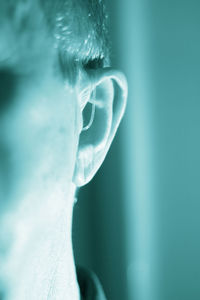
{"x":137,"y":224}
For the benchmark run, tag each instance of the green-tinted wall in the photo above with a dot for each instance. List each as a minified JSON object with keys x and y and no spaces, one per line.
{"x":138,"y":223}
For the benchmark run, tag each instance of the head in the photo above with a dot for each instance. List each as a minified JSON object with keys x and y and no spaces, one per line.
{"x":60,"y":107}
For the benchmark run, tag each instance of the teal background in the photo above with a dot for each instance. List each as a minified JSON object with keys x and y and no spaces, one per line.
{"x":137,"y":223}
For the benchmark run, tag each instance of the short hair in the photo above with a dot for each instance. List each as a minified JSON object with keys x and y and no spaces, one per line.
{"x":80,"y":30}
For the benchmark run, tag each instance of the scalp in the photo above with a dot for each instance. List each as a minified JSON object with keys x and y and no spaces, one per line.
{"x":77,"y":29}
{"x":80,"y":30}
{"x":22,"y":30}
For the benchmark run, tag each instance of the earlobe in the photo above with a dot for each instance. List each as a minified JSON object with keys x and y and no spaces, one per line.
{"x":108,"y":106}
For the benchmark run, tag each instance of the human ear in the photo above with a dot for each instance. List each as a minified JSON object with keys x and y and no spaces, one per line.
{"x":108,"y":96}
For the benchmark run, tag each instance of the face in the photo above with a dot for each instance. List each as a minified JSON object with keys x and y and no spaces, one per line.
{"x":38,"y":119}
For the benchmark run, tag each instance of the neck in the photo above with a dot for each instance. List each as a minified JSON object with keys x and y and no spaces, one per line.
{"x":38,"y":262}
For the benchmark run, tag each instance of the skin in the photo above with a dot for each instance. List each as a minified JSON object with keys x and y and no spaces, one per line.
{"x":38,"y":147}
{"x":43,"y":158}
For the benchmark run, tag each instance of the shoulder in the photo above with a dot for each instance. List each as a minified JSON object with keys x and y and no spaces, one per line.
{"x":89,"y":284}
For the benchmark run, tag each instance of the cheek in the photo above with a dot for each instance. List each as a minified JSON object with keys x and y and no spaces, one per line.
{"x":38,"y":141}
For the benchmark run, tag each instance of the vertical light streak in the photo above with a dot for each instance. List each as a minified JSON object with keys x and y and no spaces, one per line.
{"x":139,"y":151}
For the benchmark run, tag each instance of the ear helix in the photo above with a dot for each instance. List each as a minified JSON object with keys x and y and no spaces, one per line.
{"x":102,"y":121}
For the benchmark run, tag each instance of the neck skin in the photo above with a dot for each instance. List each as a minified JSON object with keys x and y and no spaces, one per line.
{"x":38,"y":260}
